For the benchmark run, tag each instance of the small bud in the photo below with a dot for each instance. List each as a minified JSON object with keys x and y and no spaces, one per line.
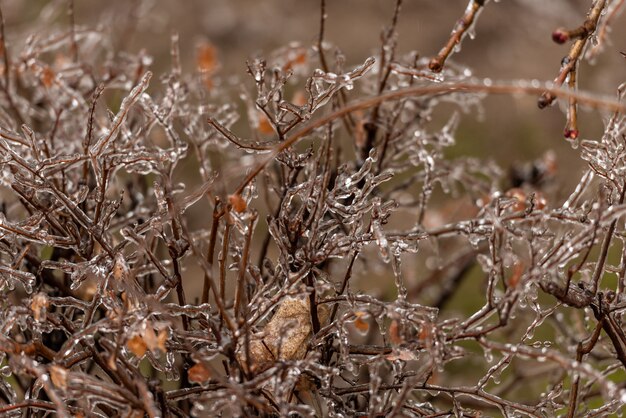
{"x":545,"y":100}
{"x":560,"y":36}
{"x":570,"y":133}
{"x":435,"y":66}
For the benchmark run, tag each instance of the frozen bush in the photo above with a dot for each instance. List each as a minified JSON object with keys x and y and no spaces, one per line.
{"x":346,"y":265}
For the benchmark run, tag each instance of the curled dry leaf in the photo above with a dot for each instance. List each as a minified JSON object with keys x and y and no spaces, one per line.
{"x":199,"y":373}
{"x":296,"y":58}
{"x":58,"y":375}
{"x":206,"y":58}
{"x":207,"y":63}
{"x":237,"y":202}
{"x":120,"y":271}
{"x":47,"y":77}
{"x":264,"y":126}
{"x":155,"y":342}
{"x":39,"y":305}
{"x":137,"y":345}
{"x":402,"y":354}
{"x":394,"y":333}
{"x":361,"y":322}
{"x":284,"y":337}
{"x":516,"y":275}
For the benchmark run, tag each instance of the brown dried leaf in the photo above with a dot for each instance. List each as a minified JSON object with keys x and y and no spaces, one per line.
{"x":404,"y":355}
{"x":137,"y":346}
{"x":264,"y":125}
{"x":150,"y":337}
{"x":299,"y":98}
{"x":39,"y":305}
{"x":47,"y":77}
{"x":284,"y":337}
{"x":120,"y":271}
{"x":360,"y":323}
{"x":198,"y":373}
{"x":394,"y":333}
{"x":206,"y":58}
{"x":518,"y":271}
{"x":162,"y":339}
{"x":237,"y":202}
{"x":296,"y":58}
{"x":58,"y":375}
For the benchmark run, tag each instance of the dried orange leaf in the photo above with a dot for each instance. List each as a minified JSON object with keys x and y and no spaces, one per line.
{"x":264,"y":125}
{"x":121,"y":270}
{"x":299,"y":98}
{"x":297,"y":58}
{"x":425,"y":333}
{"x":198,"y":373}
{"x":162,"y":339}
{"x":237,"y":202}
{"x":150,"y":337}
{"x":394,"y":333}
{"x":404,"y":355}
{"x":518,"y":270}
{"x":361,"y":323}
{"x":137,"y":346}
{"x":39,"y":305}
{"x":58,"y":375}
{"x":206,"y":58}
{"x":47,"y":77}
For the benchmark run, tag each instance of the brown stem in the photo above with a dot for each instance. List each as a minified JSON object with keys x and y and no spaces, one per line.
{"x":471,"y":12}
{"x":432,"y":90}
{"x":575,"y":52}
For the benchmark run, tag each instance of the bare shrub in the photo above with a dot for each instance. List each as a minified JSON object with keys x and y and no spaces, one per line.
{"x":345,"y":265}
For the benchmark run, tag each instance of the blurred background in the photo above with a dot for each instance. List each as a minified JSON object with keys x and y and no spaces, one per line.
{"x":513,"y":41}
